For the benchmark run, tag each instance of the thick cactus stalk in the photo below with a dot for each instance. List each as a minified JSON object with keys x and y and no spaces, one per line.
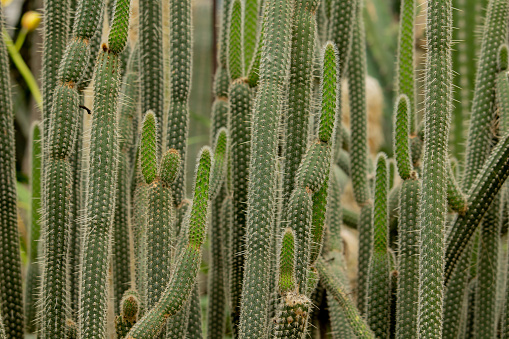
{"x":261,"y":211}
{"x":240,"y":109}
{"x":151,"y":64}
{"x":485,"y":323}
{"x":299,"y":91}
{"x":405,"y":76}
{"x":180,"y":56}
{"x":102,"y":180}
{"x":433,"y":202}
{"x":483,"y":106}
{"x":334,"y":287}
{"x":183,"y":279}
{"x":379,"y":291}
{"x":33,"y":277}
{"x":408,"y":280}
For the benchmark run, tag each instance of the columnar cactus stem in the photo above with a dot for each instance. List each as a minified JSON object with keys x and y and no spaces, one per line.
{"x":300,"y":90}
{"x":180,"y":87}
{"x":102,"y":180}
{"x":269,"y":103}
{"x":379,"y":290}
{"x":483,"y":106}
{"x":183,"y":279}
{"x":235,"y":41}
{"x":33,"y":271}
{"x":58,"y":181}
{"x":342,"y":23}
{"x":251,"y":10}
{"x":151,"y":62}
{"x":194,"y":323}
{"x":505,"y":314}
{"x":365,"y":247}
{"x":433,"y":202}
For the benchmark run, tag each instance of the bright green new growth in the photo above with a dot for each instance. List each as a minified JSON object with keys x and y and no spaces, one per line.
{"x":299,"y":90}
{"x":274,"y":70}
{"x":251,"y":9}
{"x":433,"y":202}
{"x":408,"y":259}
{"x":219,"y":164}
{"x":483,"y":106}
{"x":402,"y":114}
{"x":235,"y":48}
{"x":130,"y":310}
{"x":379,"y":292}
{"x":170,"y":166}
{"x":330,"y":100}
{"x":33,"y":270}
{"x":180,"y":87}
{"x":183,"y":279}
{"x":286,"y":279}
{"x":405,"y":77}
{"x":148,"y":147}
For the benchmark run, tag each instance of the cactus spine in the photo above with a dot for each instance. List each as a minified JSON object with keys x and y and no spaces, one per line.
{"x":433,"y":202}
{"x":261,"y":209}
{"x":102,"y":180}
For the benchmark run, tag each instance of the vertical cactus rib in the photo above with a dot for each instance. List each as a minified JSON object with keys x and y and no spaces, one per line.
{"x":183,"y":279}
{"x":356,"y":321}
{"x":180,"y":56}
{"x":433,"y":202}
{"x":151,"y":62}
{"x":405,"y":77}
{"x":379,"y":292}
{"x":299,"y":90}
{"x":33,"y":270}
{"x":342,"y":25}
{"x":251,"y":9}
{"x":483,"y":106}
{"x":235,"y":42}
{"x":408,"y":259}
{"x":403,"y":112}
{"x":274,"y":71}
{"x":194,"y":323}
{"x":240,"y":110}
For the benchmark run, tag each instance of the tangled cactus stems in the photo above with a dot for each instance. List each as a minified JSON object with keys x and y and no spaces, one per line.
{"x":111,"y":200}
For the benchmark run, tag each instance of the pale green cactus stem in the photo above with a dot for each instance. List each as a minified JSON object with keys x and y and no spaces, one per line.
{"x":235,"y":41}
{"x":33,"y":277}
{"x":379,"y":292}
{"x":250,"y":26}
{"x":483,"y":106}
{"x":485,"y":324}
{"x":240,"y":112}
{"x":408,"y":258}
{"x":261,"y":211}
{"x":180,"y":87}
{"x":433,"y":202}
{"x":343,"y":15}
{"x":151,"y":64}
{"x":334,"y":287}
{"x":122,"y":222}
{"x":183,"y":279}
{"x":403,"y":114}
{"x":102,"y":180}
{"x":299,"y":90}
{"x":58,"y":174}
{"x":405,"y":77}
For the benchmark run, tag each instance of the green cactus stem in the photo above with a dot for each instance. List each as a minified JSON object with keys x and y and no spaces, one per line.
{"x":251,"y":10}
{"x":235,"y":41}
{"x":194,"y":323}
{"x":130,"y":311}
{"x":403,"y":112}
{"x":183,"y":279}
{"x":365,"y":246}
{"x":342,"y":24}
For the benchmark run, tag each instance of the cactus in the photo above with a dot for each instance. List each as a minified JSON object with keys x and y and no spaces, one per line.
{"x":235,"y":41}
{"x":33,"y":270}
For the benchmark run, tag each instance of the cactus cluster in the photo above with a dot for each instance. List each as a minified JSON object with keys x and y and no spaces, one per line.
{"x":115,"y":246}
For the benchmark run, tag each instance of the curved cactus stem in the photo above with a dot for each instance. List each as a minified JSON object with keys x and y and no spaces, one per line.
{"x":456,"y":199}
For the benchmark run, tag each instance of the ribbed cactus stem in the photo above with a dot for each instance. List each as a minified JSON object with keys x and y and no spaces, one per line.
{"x":379,"y":292}
{"x":483,"y":106}
{"x":299,"y":91}
{"x":502,"y":90}
{"x":180,"y":56}
{"x":235,"y":41}
{"x":505,"y":315}
{"x":261,"y":209}
{"x":456,"y":199}
{"x":334,"y":287}
{"x":433,"y":202}
{"x":365,"y":246}
{"x":183,"y":279}
{"x":194,"y":324}
{"x":251,"y":11}
{"x":405,"y":76}
{"x":33,"y":278}
{"x":406,"y":324}
{"x":403,"y":112}
{"x":342,"y":22}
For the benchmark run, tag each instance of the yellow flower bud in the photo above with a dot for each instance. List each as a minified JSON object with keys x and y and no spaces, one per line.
{"x":30,"y":20}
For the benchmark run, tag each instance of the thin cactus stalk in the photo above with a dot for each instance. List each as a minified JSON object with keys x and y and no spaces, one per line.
{"x":505,"y":313}
{"x":365,"y":246}
{"x":180,"y":87}
{"x":33,"y":277}
{"x":274,"y":71}
{"x":151,"y":62}
{"x":342,"y":25}
{"x":483,"y":105}
{"x":379,"y":293}
{"x":183,"y":279}
{"x":250,"y":26}
{"x":102,"y":180}
{"x":194,"y":324}
{"x":235,"y":41}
